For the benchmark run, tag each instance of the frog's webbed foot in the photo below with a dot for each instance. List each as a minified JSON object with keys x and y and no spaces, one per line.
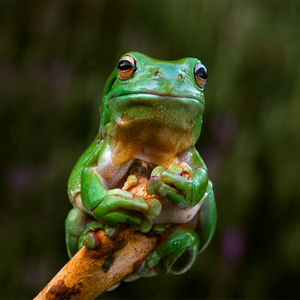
{"x":176,"y":253}
{"x":179,"y":184}
{"x":119,"y":206}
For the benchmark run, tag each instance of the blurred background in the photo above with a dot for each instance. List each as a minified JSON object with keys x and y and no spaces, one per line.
{"x":54,"y":59}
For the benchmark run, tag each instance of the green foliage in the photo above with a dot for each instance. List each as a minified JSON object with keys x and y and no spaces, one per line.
{"x":54,"y":59}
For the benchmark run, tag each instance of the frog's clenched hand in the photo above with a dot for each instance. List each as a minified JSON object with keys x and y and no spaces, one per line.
{"x":180,"y":191}
{"x":151,"y":111}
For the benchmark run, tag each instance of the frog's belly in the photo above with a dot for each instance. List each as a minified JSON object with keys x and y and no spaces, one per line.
{"x":175,"y":215}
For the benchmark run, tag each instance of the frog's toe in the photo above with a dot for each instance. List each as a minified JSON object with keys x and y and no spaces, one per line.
{"x":143,"y":269}
{"x":154,"y":185}
{"x":165,"y":189}
{"x":157,"y":171}
{"x":145,"y":225}
{"x":91,"y":240}
{"x":164,"y":265}
{"x":110,"y":230}
{"x":175,"y":168}
{"x":151,"y":261}
{"x":186,"y":169}
{"x":154,"y":208}
{"x":130,"y":182}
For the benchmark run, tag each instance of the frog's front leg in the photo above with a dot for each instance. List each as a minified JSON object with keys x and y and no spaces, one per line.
{"x":115,"y":205}
{"x":180,"y":184}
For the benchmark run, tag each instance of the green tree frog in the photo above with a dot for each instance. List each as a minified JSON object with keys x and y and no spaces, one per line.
{"x":151,"y":111}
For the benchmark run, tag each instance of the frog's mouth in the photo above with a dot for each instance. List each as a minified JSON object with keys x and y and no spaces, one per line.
{"x":153,"y":95}
{"x":142,"y":106}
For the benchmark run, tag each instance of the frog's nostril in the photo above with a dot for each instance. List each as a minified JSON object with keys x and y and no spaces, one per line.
{"x":157,"y":73}
{"x":180,"y":76}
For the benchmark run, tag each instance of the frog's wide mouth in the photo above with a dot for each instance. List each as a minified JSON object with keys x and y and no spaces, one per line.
{"x":148,"y":95}
{"x":120,"y":103}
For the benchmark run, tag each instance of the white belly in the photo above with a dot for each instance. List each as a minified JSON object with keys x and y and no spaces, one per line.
{"x":175,"y":215}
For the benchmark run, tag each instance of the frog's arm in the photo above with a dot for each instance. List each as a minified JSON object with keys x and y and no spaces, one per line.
{"x":116,"y":205}
{"x":74,"y":182}
{"x":207,"y":214}
{"x":182,"y":192}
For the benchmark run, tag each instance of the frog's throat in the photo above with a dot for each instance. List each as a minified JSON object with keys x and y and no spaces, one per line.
{"x":167,"y":110}
{"x":153,"y":131}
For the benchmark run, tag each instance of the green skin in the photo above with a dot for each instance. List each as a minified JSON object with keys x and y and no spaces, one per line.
{"x":163,"y":96}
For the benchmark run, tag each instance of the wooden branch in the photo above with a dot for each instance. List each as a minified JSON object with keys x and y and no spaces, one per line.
{"x":91,"y":272}
{"x":87,"y":274}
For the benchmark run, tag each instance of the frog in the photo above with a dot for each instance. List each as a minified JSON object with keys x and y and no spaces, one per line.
{"x":151,"y":111}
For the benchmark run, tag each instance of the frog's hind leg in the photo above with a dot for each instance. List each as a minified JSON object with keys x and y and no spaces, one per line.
{"x":76,"y":222}
{"x":80,"y":230}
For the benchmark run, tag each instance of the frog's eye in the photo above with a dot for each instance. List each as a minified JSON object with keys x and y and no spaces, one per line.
{"x":200,"y":73}
{"x":126,"y":67}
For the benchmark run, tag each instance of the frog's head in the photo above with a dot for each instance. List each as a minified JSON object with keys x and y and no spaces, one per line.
{"x":144,"y":92}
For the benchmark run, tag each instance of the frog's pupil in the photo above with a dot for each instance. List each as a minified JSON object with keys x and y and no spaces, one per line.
{"x":202,"y":73}
{"x":124,"y":65}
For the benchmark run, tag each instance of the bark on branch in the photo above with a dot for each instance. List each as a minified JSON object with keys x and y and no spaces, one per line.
{"x":91,"y":272}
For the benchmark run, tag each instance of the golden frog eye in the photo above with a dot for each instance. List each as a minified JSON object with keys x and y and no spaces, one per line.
{"x":200,"y":73}
{"x":126,"y":67}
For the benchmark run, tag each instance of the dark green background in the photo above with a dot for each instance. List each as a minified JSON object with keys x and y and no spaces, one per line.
{"x":54,"y":60}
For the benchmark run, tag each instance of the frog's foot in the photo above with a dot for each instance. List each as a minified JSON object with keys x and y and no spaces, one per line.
{"x":75,"y":224}
{"x":176,"y":183}
{"x":176,"y":253}
{"x":89,"y":237}
{"x":119,"y":206}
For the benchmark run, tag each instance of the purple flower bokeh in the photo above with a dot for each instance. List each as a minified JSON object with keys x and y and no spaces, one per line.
{"x":233,"y":243}
{"x":60,"y":77}
{"x":224,"y":128}
{"x":18,"y":177}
